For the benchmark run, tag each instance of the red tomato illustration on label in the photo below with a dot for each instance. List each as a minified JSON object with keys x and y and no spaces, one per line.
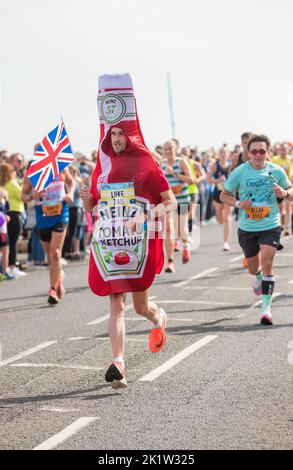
{"x":122,"y":258}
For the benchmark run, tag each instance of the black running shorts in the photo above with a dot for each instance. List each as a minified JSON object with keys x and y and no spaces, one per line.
{"x":250,"y":241}
{"x":46,"y":233}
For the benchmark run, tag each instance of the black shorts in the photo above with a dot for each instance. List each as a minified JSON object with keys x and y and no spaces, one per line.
{"x":3,"y":240}
{"x":216,"y":196}
{"x":280,"y":199}
{"x":46,"y":233}
{"x":250,"y":241}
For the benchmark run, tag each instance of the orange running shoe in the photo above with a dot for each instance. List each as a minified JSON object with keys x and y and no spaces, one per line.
{"x":116,"y":375}
{"x":244,"y":263}
{"x":158,"y":338}
{"x":53,"y":297}
{"x":186,"y":255}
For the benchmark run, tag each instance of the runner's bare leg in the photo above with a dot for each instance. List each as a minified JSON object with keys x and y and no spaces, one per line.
{"x":55,"y":251}
{"x":144,"y":307}
{"x":117,"y":324}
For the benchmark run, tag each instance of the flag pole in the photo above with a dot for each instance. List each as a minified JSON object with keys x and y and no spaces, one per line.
{"x":75,"y":162}
{"x":171,"y":104}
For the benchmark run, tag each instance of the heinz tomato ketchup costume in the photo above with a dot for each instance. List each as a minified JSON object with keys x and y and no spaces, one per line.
{"x":123,"y":186}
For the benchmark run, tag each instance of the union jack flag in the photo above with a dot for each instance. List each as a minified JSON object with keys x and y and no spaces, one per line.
{"x":51,"y":157}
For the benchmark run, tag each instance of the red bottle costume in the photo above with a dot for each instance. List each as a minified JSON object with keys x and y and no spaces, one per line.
{"x":120,"y":261}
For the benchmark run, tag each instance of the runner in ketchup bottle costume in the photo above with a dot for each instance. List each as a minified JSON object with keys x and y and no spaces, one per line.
{"x":128,"y":191}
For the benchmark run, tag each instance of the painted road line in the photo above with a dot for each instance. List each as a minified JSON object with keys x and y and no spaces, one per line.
{"x":178,"y":358}
{"x":28,"y":352}
{"x":139,"y":340}
{"x":107,"y":316}
{"x":68,"y":432}
{"x":259,"y":302}
{"x":284,"y":255}
{"x":237,"y":258}
{"x":100,"y":320}
{"x":76,"y":338}
{"x":256,"y":304}
{"x":60,"y":410}
{"x":290,"y":282}
{"x":57,"y":366}
{"x":169,"y":319}
{"x":217,"y":288}
{"x":197,"y":276}
{"x":192,"y":302}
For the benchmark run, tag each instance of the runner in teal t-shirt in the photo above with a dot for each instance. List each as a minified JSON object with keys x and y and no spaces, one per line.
{"x":259,"y":182}
{"x":258,"y":186}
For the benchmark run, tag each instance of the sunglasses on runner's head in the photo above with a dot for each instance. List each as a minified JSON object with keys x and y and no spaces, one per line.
{"x":256,"y":152}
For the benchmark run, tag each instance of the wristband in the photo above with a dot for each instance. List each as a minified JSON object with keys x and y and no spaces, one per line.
{"x":237,"y":204}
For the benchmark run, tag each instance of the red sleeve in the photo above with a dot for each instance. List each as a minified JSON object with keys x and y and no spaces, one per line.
{"x":164,"y":184}
{"x":94,"y":188}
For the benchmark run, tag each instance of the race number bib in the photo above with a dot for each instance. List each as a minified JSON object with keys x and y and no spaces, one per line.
{"x":176,"y":189}
{"x":52,"y":208}
{"x":257,"y":212}
{"x":117,"y":194}
{"x":52,"y":204}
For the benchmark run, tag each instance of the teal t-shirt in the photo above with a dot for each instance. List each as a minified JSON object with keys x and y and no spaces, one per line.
{"x":257,"y":185}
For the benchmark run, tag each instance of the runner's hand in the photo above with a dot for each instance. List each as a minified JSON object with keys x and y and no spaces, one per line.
{"x":38,"y":195}
{"x":85,"y":193}
{"x":279,"y":192}
{"x":68,"y":198}
{"x":245,"y":204}
{"x":169,"y":170}
{"x":221,"y":179}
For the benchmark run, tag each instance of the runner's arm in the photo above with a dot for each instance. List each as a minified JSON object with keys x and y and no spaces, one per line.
{"x":228,"y":198}
{"x":187,"y":176}
{"x":26,"y":193}
{"x":201,"y":171}
{"x":234,"y":161}
{"x":87,"y":198}
{"x":168,"y":204}
{"x":286,"y":193}
{"x":70,"y":186}
{"x":210,"y":178}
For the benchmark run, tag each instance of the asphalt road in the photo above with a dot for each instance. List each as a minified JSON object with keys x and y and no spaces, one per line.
{"x":223,"y":381}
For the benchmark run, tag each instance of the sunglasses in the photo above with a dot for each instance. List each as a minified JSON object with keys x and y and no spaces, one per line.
{"x":256,"y":152}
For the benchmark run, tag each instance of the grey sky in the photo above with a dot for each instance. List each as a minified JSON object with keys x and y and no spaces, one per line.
{"x":230,"y":64}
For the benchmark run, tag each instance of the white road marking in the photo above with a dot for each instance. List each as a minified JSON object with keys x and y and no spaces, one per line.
{"x":28,"y":352}
{"x":284,"y":255}
{"x":191,"y":302}
{"x":291,"y":282}
{"x":107,"y":316}
{"x":77,"y":338}
{"x":57,"y":366}
{"x":99,"y":320}
{"x":139,"y":340}
{"x":197,"y":276}
{"x":215,"y":287}
{"x":60,"y":410}
{"x":169,"y":319}
{"x":256,"y":304}
{"x":259,"y":302}
{"x":237,"y":258}
{"x":178,"y":358}
{"x":68,"y":432}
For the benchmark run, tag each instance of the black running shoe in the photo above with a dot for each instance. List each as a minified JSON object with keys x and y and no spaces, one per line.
{"x":116,"y":375}
{"x":266,"y":320}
